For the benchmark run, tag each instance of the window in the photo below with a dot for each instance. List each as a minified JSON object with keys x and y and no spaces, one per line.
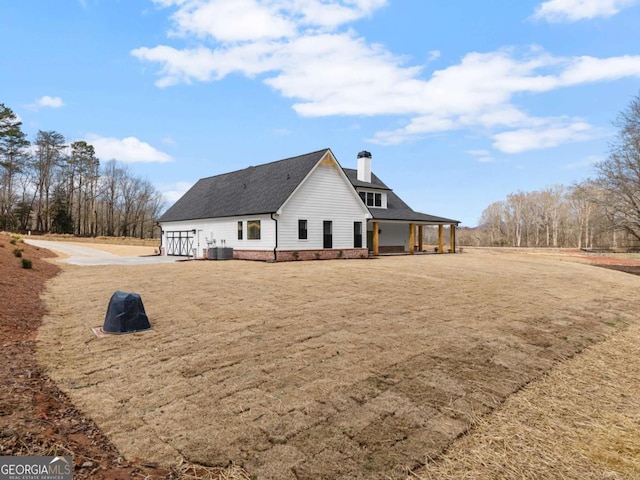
{"x":357,"y":234}
{"x":240,"y":230}
{"x":327,"y":229}
{"x":253,"y":229}
{"x":302,"y":229}
{"x":371,"y":199}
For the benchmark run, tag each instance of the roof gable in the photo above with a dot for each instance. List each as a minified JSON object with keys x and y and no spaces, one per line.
{"x":251,"y":191}
{"x":329,"y":159}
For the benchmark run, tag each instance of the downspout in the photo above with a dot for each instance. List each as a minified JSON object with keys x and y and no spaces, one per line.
{"x":161,"y":232}
{"x":275,"y":249}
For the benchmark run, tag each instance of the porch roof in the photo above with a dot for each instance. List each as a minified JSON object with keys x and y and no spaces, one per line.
{"x":397,"y":210}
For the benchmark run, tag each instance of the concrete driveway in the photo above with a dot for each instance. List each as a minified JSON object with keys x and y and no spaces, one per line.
{"x":88,"y":256}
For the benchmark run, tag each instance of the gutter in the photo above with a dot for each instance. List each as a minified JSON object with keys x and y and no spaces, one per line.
{"x":275,"y":249}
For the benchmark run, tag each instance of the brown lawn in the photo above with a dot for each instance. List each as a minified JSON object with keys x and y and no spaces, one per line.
{"x":310,"y":370}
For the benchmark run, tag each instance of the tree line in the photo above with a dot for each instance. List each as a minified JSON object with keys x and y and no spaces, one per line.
{"x":600,"y":212}
{"x":50,"y":186}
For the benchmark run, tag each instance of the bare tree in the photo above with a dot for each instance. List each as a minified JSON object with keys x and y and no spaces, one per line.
{"x":494,"y":222}
{"x":619,"y":175}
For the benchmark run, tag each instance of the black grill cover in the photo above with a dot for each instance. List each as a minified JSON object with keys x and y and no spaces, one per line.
{"x":125,"y":314}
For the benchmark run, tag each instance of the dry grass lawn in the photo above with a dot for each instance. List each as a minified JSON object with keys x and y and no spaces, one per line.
{"x":311,"y":370}
{"x":578,"y":422}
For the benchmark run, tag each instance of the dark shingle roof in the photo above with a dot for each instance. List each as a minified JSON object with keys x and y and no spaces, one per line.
{"x":264,"y":188}
{"x":396,"y":208}
{"x":251,"y":191}
{"x":352,"y":175}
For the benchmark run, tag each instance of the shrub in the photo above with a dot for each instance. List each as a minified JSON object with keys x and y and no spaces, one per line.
{"x":13,"y":241}
{"x":27,"y":264}
{"x":340,"y":254}
{"x":17,"y":252}
{"x":317,"y":255}
{"x":295,"y":254}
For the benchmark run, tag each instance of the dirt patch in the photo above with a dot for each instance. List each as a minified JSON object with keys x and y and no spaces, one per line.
{"x":36,"y":418}
{"x":338,"y":369}
{"x":632,"y":269}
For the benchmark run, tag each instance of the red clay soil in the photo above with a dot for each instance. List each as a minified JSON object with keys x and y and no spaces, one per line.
{"x":36,"y":418}
{"x":627,"y":265}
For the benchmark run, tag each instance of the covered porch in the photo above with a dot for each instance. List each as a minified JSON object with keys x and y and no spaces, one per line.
{"x":411,"y":237}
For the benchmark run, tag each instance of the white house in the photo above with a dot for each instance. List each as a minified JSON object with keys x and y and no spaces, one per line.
{"x":304,"y":207}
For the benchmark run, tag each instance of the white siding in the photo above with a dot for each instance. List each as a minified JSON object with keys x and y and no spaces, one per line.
{"x":226,"y":229}
{"x":393,"y":235}
{"x":324,"y":195}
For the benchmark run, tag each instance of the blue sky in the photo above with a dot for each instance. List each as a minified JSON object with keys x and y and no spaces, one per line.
{"x":459,"y":102}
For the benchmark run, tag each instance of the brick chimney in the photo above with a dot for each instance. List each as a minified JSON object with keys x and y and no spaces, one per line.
{"x":364,"y":166}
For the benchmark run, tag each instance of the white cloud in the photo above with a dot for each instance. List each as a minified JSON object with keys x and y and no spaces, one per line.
{"x":590,"y":69}
{"x":173,"y":192}
{"x":541,"y":137}
{"x":574,"y":10}
{"x":46,"y":102}
{"x":127,"y":150}
{"x":483,"y":156}
{"x":328,"y":72}
{"x":242,"y":20}
{"x":232,"y":20}
{"x":169,"y":140}
{"x":434,"y":55}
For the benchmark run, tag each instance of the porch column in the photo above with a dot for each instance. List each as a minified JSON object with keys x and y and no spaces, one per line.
{"x":412,"y":238}
{"x":440,"y":238}
{"x":376,"y":239}
{"x":452,"y":238}
{"x":420,"y":238}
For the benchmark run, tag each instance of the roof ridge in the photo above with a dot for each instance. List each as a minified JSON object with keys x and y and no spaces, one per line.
{"x":266,"y":164}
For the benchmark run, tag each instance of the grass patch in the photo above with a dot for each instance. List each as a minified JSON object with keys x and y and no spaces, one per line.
{"x":404,"y":353}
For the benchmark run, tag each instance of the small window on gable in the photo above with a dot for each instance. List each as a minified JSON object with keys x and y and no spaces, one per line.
{"x":302,"y":229}
{"x":253,"y":229}
{"x":240,"y":230}
{"x":371,"y":199}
